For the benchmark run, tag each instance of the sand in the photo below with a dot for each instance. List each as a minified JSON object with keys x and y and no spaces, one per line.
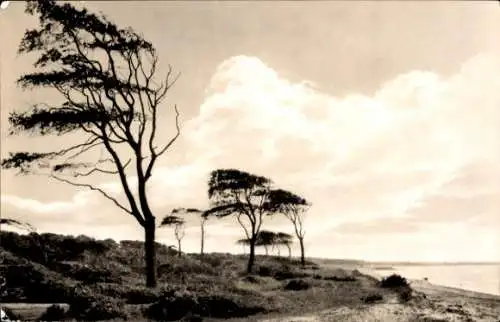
{"x":432,"y":303}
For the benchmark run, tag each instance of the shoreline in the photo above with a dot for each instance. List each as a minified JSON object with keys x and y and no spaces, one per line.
{"x":425,"y":284}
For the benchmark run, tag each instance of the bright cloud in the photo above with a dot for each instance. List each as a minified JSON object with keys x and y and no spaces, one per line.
{"x":424,"y":146}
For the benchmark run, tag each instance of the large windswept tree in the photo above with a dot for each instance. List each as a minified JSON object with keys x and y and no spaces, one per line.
{"x":292,"y":207}
{"x":106,"y":80}
{"x":243,"y":195}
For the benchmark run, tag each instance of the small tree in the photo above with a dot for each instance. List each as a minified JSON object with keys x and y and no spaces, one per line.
{"x":106,"y":80}
{"x":179,"y":231}
{"x":292,"y":207}
{"x":244,"y":242}
{"x":266,"y":238}
{"x":203,"y":221}
{"x":284,"y":239}
{"x":243,"y":195}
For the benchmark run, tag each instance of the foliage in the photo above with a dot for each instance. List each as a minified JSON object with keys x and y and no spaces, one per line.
{"x":244,"y":195}
{"x":297,"y":285}
{"x":372,"y":298}
{"x":54,"y":313}
{"x":293,"y":207}
{"x":48,"y":248}
{"x":97,"y":308}
{"x":179,"y":229}
{"x":393,"y":281}
{"x":280,"y":271}
{"x":105,"y":78}
{"x":175,"y":305}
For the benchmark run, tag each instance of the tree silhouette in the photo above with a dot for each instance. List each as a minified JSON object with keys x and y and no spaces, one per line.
{"x":179,"y":231}
{"x":266,"y":238}
{"x":244,"y":242}
{"x":243,"y":195}
{"x":293,"y":207}
{"x":203,"y":221}
{"x":105,"y":77}
{"x":284,"y":239}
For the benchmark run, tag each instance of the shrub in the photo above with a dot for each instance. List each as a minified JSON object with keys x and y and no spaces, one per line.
{"x":130,"y":293}
{"x":264,"y":271}
{"x":53,"y":313}
{"x":176,"y":305}
{"x":223,"y":307}
{"x":393,"y":281}
{"x":372,"y":298}
{"x":86,"y":273}
{"x":340,"y":278}
{"x":97,"y":308}
{"x":171,"y":306}
{"x":405,"y":294}
{"x":35,"y":283}
{"x":297,"y":285}
{"x":280,"y":272}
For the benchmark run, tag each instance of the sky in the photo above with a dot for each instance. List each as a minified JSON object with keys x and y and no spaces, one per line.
{"x":384,"y":115}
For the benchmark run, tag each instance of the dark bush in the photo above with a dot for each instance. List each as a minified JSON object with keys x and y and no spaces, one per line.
{"x":176,"y":305}
{"x":280,"y":272}
{"x":393,"y":281}
{"x":172,"y":306}
{"x":35,"y":283}
{"x":95,"y":308}
{"x":217,"y":306}
{"x":53,"y":313}
{"x":340,"y":278}
{"x":297,"y":285}
{"x":48,"y":248}
{"x":86,"y":273}
{"x":264,"y":271}
{"x":372,"y":298}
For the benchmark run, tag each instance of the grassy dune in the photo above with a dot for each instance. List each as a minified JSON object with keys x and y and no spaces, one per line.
{"x":98,"y":280}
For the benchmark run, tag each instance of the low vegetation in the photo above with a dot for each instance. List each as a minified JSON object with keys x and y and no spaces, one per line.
{"x":69,"y":276}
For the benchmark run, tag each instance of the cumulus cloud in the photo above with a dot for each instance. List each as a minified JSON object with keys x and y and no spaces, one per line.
{"x":355,"y":157}
{"x":423,"y":148}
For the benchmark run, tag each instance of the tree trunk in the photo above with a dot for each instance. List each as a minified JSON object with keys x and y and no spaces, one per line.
{"x":289,"y":251}
{"x":179,"y":248}
{"x":202,"y":238}
{"x":279,"y":252}
{"x":251,"y":258}
{"x":302,"y":252}
{"x":150,"y":253}
{"x":267,"y":251}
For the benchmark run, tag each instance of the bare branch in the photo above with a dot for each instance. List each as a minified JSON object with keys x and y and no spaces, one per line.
{"x":91,"y":187}
{"x":154,"y":154}
{"x":96,"y":169}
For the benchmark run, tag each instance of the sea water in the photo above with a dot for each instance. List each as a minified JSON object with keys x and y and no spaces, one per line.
{"x":479,"y":278}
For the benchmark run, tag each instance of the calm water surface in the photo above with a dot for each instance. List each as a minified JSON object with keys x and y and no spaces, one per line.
{"x":480,"y":278}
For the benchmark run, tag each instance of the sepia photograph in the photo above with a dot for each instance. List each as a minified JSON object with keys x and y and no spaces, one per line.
{"x":250,"y":161}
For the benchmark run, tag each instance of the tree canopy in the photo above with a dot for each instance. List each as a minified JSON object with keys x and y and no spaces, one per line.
{"x":109,"y":96}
